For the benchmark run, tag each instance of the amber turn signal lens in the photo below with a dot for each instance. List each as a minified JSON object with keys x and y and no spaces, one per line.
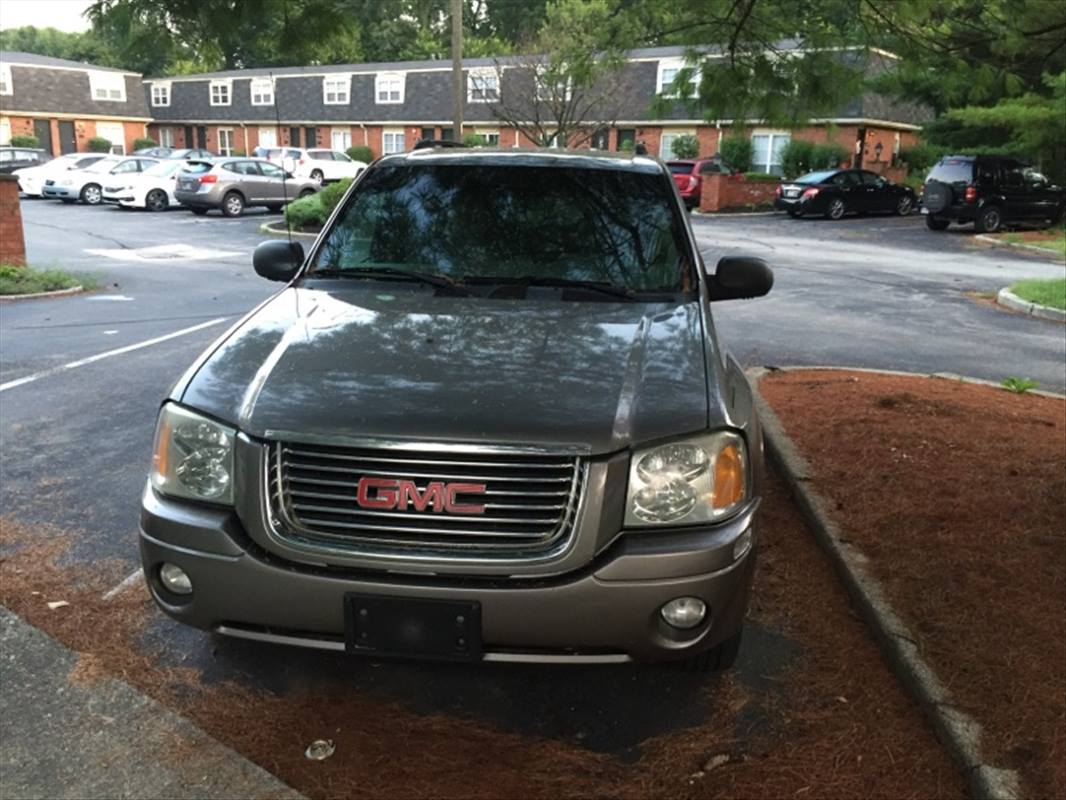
{"x":161,"y":450}
{"x":728,"y":477}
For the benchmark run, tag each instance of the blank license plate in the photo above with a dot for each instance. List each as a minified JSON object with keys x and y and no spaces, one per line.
{"x":412,"y":627}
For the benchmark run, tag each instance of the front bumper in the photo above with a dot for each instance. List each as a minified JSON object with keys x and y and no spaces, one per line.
{"x":608,"y":611}
{"x":61,"y":192}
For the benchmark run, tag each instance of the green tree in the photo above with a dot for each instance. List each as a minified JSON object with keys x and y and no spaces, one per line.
{"x":737,"y":151}
{"x":686,"y":146}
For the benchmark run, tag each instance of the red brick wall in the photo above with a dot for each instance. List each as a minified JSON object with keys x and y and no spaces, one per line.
{"x":651,"y":137}
{"x":724,"y":193}
{"x":12,"y":243}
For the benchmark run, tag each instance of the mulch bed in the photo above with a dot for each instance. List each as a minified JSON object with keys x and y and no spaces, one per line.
{"x":957,"y":494}
{"x":833,"y":723}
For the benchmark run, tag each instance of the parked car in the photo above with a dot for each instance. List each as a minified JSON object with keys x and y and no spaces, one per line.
{"x":510,"y":440}
{"x":233,"y":184}
{"x":836,"y":192}
{"x":152,"y":189}
{"x":688,"y":174}
{"x":185,"y":153}
{"x":284,"y":157}
{"x":87,"y":184}
{"x":153,"y":152}
{"x":323,"y":166}
{"x":31,"y":179}
{"x":990,"y":192}
{"x":13,"y":158}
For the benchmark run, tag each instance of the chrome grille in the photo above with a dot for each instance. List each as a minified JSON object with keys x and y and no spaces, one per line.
{"x":530,"y":500}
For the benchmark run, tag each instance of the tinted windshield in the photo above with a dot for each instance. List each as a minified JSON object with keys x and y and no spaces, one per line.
{"x":103,"y":165}
{"x":952,"y":170}
{"x":816,"y":177}
{"x":511,"y":222}
{"x":196,"y":167}
{"x":680,"y":168}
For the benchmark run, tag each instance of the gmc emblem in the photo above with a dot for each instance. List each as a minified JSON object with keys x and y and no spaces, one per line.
{"x":382,"y":494}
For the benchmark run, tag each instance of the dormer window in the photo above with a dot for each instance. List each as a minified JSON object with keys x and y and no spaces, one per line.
{"x":336,"y":89}
{"x":669,"y":69}
{"x":262,"y":90}
{"x":160,"y":94}
{"x":110,"y":86}
{"x":221,"y":92}
{"x":482,"y":86}
{"x":389,"y":87}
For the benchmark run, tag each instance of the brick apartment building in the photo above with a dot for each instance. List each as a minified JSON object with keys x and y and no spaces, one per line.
{"x":390,"y":106}
{"x":66,"y":103}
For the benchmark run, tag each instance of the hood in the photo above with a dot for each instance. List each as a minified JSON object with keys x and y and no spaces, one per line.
{"x":360,"y":362}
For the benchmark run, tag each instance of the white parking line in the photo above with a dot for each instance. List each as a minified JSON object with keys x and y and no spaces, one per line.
{"x":99,"y":356}
{"x":125,"y":584}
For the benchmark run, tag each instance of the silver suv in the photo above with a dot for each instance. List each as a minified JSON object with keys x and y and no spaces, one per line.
{"x":232,"y":184}
{"x":486,"y":418}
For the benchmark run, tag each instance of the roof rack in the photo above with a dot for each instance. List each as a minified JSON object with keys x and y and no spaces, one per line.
{"x":424,"y":144}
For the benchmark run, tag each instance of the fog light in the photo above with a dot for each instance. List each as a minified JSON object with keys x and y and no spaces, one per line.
{"x":684,"y":612}
{"x":174,"y":579}
{"x":742,"y":544}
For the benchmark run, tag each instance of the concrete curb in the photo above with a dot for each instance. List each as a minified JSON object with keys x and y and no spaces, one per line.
{"x":7,"y":298}
{"x":988,"y":239}
{"x":726,"y":214}
{"x":959,"y":732}
{"x":1009,"y":299}
{"x":268,"y":227}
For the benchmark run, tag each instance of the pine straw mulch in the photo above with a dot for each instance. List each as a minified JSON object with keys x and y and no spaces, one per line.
{"x":957,"y":493}
{"x":835,"y":723}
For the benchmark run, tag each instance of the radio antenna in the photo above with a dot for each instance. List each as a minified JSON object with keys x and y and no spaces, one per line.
{"x":284,"y":172}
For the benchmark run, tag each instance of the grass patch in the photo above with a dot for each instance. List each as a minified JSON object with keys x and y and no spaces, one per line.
{"x":25,"y":280}
{"x":1053,"y":240}
{"x":1046,"y":293}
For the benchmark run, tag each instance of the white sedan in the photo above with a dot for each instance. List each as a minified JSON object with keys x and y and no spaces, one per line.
{"x":86,"y":185}
{"x":152,"y":189}
{"x":321,"y":165}
{"x":31,"y":179}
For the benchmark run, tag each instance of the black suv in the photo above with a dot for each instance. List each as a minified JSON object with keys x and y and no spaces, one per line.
{"x":990,"y":192}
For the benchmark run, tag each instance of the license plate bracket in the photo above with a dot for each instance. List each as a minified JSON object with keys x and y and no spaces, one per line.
{"x":412,"y":627}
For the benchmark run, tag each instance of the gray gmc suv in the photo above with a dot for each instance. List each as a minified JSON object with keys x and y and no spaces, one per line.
{"x":486,"y":418}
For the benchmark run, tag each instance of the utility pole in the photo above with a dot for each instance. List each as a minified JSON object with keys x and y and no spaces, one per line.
{"x":457,"y":70}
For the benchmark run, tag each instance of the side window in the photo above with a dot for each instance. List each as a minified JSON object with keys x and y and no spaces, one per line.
{"x":272,"y":171}
{"x":1012,"y":177}
{"x":710,"y":168}
{"x":871,"y":179}
{"x":126,"y":166}
{"x":846,"y":180}
{"x":145,"y":164}
{"x":1034,"y":179}
{"x":248,"y":168}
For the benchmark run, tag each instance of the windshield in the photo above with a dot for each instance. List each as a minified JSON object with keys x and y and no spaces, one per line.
{"x":952,"y":170}
{"x":103,"y":165}
{"x":479,"y":222}
{"x":164,"y":168}
{"x":680,"y":167}
{"x":816,"y":177}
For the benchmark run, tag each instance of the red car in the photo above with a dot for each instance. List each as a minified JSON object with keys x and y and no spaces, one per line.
{"x":687,"y":175}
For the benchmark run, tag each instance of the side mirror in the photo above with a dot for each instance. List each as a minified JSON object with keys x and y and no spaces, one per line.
{"x":278,"y":260}
{"x":740,"y":277}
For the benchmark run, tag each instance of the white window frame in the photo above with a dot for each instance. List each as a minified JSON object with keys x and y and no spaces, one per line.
{"x":166,"y":137}
{"x":228,"y":149}
{"x":6,"y":87}
{"x":271,"y":131}
{"x":757,"y":159}
{"x":339,"y":86}
{"x":263,"y":88}
{"x":478,"y":85}
{"x":216,"y":98}
{"x":663,"y":81}
{"x":389,"y":83}
{"x":118,"y":143}
{"x":345,"y":134}
{"x":392,"y":132}
{"x":108,"y":87}
{"x":490,"y":135}
{"x":160,"y":94}
{"x":5,"y":131}
{"x":673,"y":135}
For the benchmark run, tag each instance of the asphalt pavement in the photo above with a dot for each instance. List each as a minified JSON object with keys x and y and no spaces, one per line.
{"x":75,"y":433}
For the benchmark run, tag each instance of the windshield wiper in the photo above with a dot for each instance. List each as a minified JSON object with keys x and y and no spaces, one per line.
{"x":369,"y":273}
{"x":547,"y":280}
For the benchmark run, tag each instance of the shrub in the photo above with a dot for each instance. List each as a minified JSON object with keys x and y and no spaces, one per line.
{"x":25,"y":140}
{"x":474,"y":140}
{"x":762,"y":176}
{"x":144,"y":143}
{"x":737,"y":152}
{"x":24,"y":280}
{"x":828,"y":155}
{"x":98,"y":144}
{"x":687,"y":146}
{"x":920,"y":157}
{"x":796,"y":157}
{"x":626,"y":147}
{"x":313,"y":211}
{"x":361,"y":153}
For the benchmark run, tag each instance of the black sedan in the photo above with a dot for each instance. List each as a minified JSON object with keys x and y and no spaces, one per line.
{"x":836,"y":192}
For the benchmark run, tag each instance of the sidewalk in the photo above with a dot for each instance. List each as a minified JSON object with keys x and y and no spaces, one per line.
{"x":102,"y":739}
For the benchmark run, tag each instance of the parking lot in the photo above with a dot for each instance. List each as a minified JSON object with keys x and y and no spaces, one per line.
{"x":81,"y":379}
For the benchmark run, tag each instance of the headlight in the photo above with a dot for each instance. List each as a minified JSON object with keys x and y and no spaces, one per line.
{"x":701,"y":479}
{"x":193,"y":456}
